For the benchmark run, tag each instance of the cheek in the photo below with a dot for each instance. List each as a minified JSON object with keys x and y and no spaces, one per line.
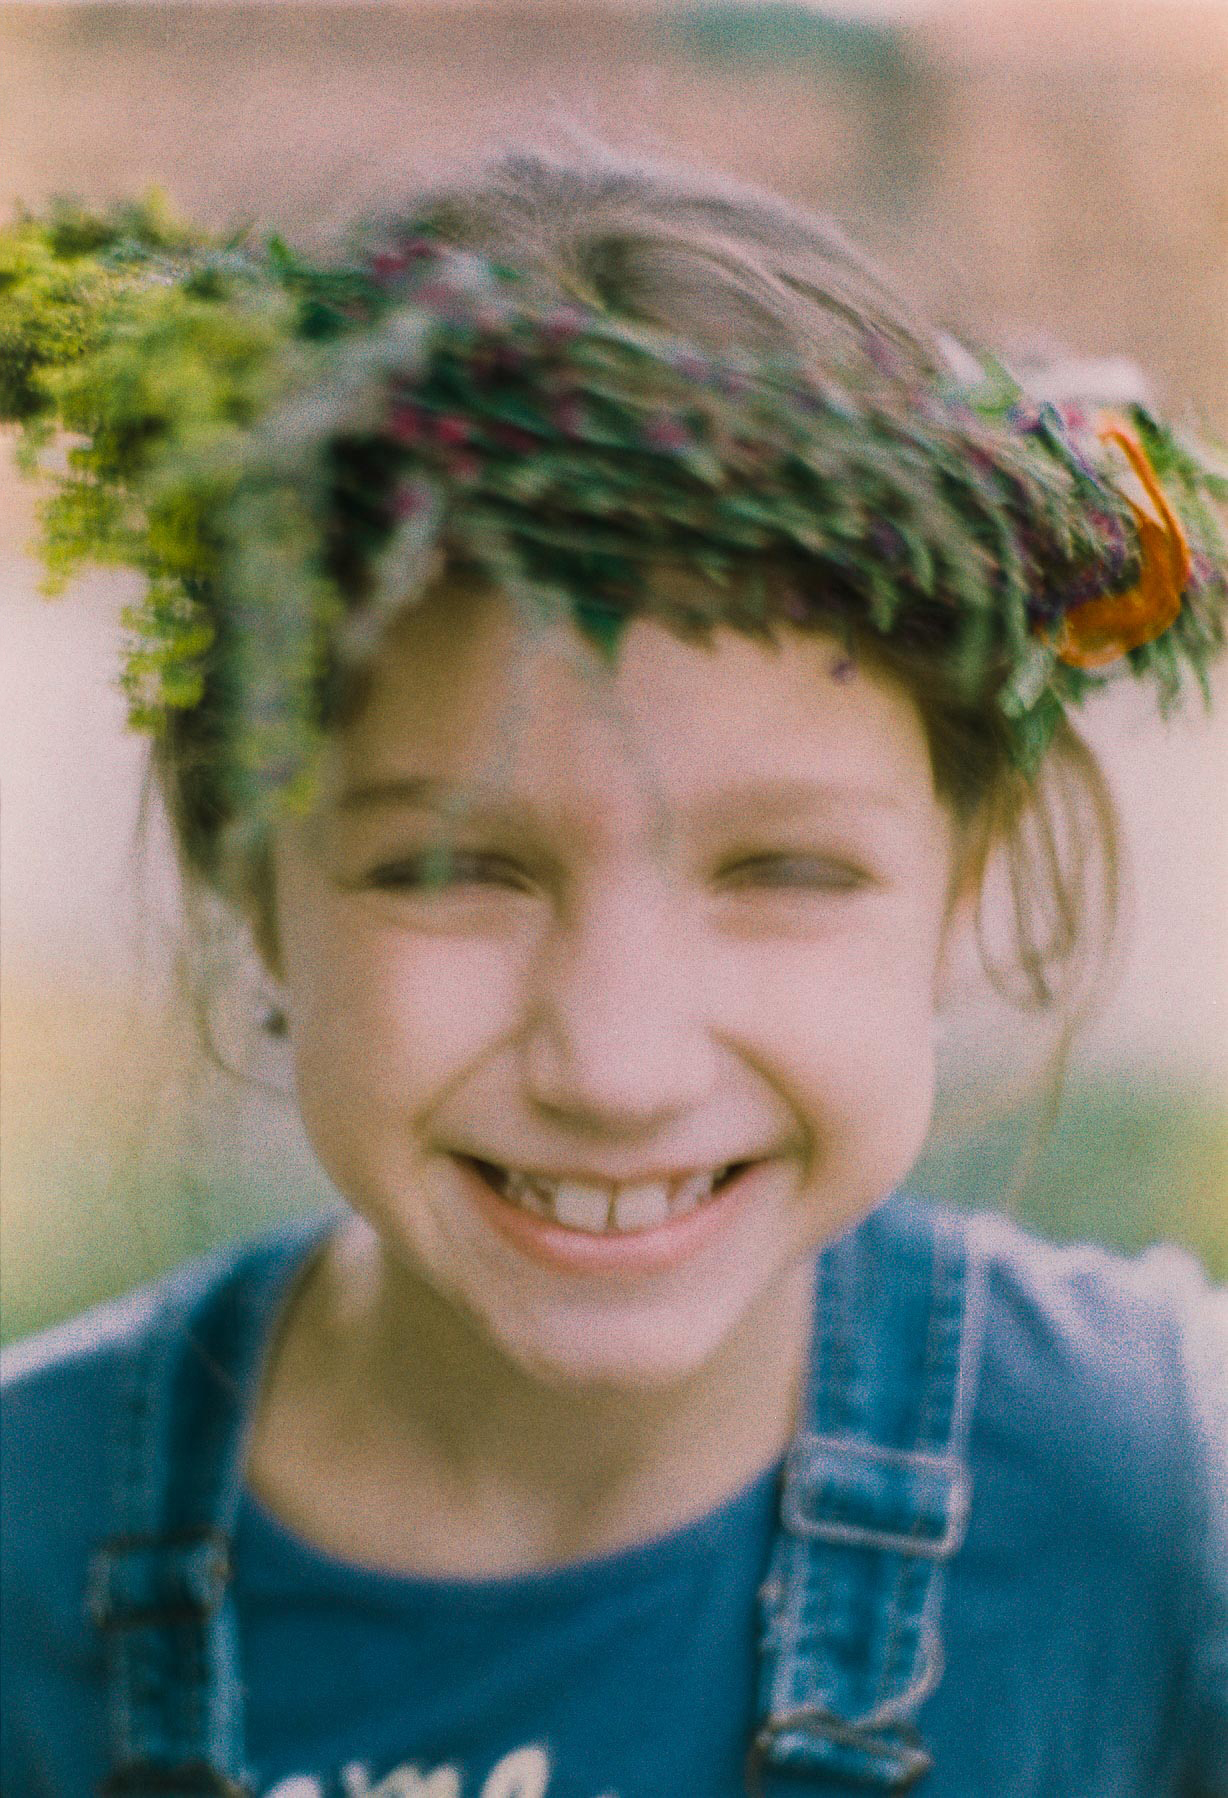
{"x":385,"y":1021}
{"x":845,"y":1030}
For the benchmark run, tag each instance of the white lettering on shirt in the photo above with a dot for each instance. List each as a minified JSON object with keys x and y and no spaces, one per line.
{"x":524,"y":1773}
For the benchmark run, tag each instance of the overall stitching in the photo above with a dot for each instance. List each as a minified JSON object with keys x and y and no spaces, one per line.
{"x":911,"y":1570}
{"x":841,"y":1404}
{"x":174,"y":1698}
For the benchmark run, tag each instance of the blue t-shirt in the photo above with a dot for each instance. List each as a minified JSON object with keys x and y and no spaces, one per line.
{"x":1085,"y":1617}
{"x":632,"y":1674}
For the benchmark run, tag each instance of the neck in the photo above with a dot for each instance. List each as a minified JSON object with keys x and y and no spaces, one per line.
{"x":519,"y":1472}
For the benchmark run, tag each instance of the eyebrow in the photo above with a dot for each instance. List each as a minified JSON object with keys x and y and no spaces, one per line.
{"x":762,"y":800}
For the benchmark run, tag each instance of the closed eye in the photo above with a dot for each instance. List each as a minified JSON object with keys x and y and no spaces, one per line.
{"x":438,"y":870}
{"x":797,"y":872}
{"x":442,"y":870}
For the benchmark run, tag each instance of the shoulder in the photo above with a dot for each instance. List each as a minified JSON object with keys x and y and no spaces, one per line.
{"x":1101,"y":1375}
{"x":58,"y":1386}
{"x":1146,"y":1332}
{"x":1108,"y":1363}
{"x":1099,"y":1445}
{"x":1090,"y":1374}
{"x":61,"y":1392}
{"x":64,"y":1396}
{"x":84,"y":1355}
{"x":1117,"y":1360}
{"x":1143,"y":1337}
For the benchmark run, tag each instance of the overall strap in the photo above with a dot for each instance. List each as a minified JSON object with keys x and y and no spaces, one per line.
{"x":159,"y":1587}
{"x":874,"y":1502}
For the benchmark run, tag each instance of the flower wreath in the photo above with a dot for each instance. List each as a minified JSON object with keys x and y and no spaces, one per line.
{"x":291,"y":451}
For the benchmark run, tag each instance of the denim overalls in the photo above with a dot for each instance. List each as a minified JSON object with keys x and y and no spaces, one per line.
{"x":874,"y":1502}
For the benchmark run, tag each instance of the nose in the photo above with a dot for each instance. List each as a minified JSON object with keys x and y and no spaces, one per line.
{"x":618,"y":1043}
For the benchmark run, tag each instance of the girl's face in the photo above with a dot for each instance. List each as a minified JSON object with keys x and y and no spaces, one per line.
{"x":694,"y":921}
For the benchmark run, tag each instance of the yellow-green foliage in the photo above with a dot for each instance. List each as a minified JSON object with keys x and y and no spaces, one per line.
{"x":111,"y":331}
{"x":60,"y":278}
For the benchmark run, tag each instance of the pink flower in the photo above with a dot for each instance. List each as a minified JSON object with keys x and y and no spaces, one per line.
{"x":562,"y":323}
{"x":406,"y":424}
{"x":410,"y":499}
{"x":439,"y":294}
{"x":451,"y":431}
{"x":666,"y":433}
{"x":731,"y":381}
{"x":692,"y":367}
{"x":464,"y":466}
{"x":512,"y":437}
{"x":567,"y":417}
{"x":388,"y":264}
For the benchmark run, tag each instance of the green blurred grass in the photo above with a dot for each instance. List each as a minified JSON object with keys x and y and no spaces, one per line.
{"x":1129,"y":1162}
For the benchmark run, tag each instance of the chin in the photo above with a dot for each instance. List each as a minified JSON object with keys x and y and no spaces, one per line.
{"x":629,"y":1347}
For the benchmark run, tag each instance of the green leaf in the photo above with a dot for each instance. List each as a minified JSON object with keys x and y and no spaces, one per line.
{"x":1023,"y":691}
{"x":602,"y":625}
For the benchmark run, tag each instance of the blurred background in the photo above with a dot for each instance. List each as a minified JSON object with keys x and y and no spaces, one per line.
{"x":1049,"y":172}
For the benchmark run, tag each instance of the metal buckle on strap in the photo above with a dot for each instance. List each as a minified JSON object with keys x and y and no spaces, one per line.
{"x":137,"y":1581}
{"x":891,"y":1763}
{"x":856,"y":1494}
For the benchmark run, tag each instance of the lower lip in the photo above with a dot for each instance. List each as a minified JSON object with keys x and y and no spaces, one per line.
{"x":635,"y":1252}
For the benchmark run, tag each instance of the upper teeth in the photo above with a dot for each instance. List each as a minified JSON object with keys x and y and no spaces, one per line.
{"x":582,"y":1207}
{"x":633,"y":1205}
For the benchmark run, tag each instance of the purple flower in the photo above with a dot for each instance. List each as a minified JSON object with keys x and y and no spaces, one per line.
{"x":388,"y":264}
{"x":691,"y":366}
{"x":568,"y":417}
{"x":515,"y":438}
{"x":439,"y":294}
{"x":419,"y":249}
{"x":411,"y":498}
{"x":1204,"y":575}
{"x":562,"y":323}
{"x":1073,"y":417}
{"x":1024,"y":415}
{"x":406,"y":424}
{"x":666,"y":433}
{"x":451,"y":431}
{"x":882,"y":352}
{"x":732,"y":382}
{"x":886,"y":540}
{"x":464,"y":466}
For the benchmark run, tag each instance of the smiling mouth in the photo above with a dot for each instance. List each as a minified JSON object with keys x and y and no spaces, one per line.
{"x":602,"y":1209}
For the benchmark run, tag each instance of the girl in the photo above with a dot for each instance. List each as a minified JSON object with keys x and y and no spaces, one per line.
{"x":596,"y":641}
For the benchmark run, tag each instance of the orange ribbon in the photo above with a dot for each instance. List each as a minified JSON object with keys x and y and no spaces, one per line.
{"x":1100,"y":630}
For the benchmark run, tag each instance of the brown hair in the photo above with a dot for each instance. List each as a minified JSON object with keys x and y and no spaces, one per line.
{"x":723,"y":263}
